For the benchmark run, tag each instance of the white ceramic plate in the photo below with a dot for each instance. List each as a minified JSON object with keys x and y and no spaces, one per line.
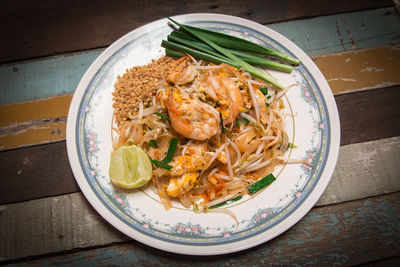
{"x":314,"y":128}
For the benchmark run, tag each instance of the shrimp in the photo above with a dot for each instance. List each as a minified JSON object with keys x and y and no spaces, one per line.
{"x":227,"y":94}
{"x":192,"y":118}
{"x":182,"y":74}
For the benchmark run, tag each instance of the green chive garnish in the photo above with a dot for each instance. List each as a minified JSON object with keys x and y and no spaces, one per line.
{"x":162,"y":115}
{"x":264,"y":90}
{"x":153,"y":143}
{"x":230,"y":201}
{"x":260,"y":184}
{"x":168,"y":157}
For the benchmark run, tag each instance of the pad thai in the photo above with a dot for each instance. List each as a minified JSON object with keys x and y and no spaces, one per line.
{"x":210,"y":130}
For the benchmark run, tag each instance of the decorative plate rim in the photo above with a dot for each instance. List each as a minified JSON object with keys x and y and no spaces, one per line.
{"x":290,"y":220}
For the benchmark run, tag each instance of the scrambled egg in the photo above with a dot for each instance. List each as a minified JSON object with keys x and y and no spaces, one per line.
{"x":180,"y":185}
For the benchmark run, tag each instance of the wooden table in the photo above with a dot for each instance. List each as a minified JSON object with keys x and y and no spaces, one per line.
{"x":45,"y":48}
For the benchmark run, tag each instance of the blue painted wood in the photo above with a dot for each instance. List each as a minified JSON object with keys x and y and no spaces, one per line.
{"x":343,"y":32}
{"x":43,"y":78}
{"x":30,"y":80}
{"x":347,"y":234}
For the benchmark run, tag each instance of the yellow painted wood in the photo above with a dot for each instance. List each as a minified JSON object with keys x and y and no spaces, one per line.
{"x":37,"y":134}
{"x":53,"y":107}
{"x":44,"y":120}
{"x":361,"y":69}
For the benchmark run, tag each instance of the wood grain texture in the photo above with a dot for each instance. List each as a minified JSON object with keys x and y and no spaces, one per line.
{"x":49,"y":163}
{"x":369,"y":115}
{"x":59,"y":75}
{"x":368,"y":169}
{"x":363,"y":170}
{"x":352,"y":233}
{"x":44,"y":120}
{"x":40,"y":28}
{"x":361,"y":69}
{"x":35,"y":172}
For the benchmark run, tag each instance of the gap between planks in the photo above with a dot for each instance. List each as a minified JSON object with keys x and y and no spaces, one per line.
{"x":101,"y":28}
{"x":363,"y":170}
{"x":352,"y":233}
{"x":43,"y":121}
{"x":48,"y":164}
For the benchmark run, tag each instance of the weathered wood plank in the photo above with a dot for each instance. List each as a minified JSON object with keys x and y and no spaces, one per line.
{"x":44,"y":120}
{"x":30,"y":80}
{"x":40,"y":28}
{"x":363,"y":170}
{"x":348,"y":234}
{"x":49,"y":165}
{"x":365,"y":115}
{"x":361,"y":69}
{"x":35,"y":172}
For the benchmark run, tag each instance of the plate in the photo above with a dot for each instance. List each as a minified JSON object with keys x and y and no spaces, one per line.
{"x":313,"y":126}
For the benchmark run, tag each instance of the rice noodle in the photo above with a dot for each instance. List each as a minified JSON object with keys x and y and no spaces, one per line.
{"x":249,"y":152}
{"x":228,"y":162}
{"x":253,"y":98}
{"x":213,"y":157}
{"x":258,"y":166}
{"x":238,"y":154}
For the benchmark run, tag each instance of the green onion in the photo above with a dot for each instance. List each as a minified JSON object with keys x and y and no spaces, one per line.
{"x":249,"y":68}
{"x":223,"y":129}
{"x":237,"y":124}
{"x":171,"y":150}
{"x":292,"y":145}
{"x":236,"y":43}
{"x":153,"y":143}
{"x":246,"y":121}
{"x":266,"y":103}
{"x":264,"y":90}
{"x":168,"y":157}
{"x":260,"y":184}
{"x":172,"y":53}
{"x":268,"y":96}
{"x":197,"y":54}
{"x":161,"y":165}
{"x":230,"y":201}
{"x":162,"y":115}
{"x":183,"y":39}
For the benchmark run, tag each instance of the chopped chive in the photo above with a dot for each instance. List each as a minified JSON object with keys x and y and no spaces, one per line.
{"x":161,"y":165}
{"x":162,"y":115}
{"x":168,"y":157}
{"x":237,"y":124}
{"x":153,"y":143}
{"x":268,"y":96}
{"x":246,"y":121}
{"x":230,"y":201}
{"x":266,"y":103}
{"x":264,"y":90}
{"x":260,"y":184}
{"x":171,"y":150}
{"x":292,"y":145}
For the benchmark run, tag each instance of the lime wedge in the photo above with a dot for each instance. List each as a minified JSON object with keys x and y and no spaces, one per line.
{"x":130,"y":167}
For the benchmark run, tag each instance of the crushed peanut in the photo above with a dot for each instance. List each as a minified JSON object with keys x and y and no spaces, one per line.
{"x":137,"y":84}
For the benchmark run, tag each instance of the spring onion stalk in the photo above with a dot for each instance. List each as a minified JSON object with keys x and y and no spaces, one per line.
{"x":233,"y":42}
{"x":249,"y":68}
{"x":181,"y":38}
{"x":197,"y":54}
{"x":260,"y":184}
{"x":172,"y":53}
{"x":153,"y":143}
{"x":230,"y":201}
{"x":162,"y":115}
{"x":168,"y":157}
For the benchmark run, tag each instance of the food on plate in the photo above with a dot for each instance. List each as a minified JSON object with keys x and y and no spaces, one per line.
{"x":213,"y":130}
